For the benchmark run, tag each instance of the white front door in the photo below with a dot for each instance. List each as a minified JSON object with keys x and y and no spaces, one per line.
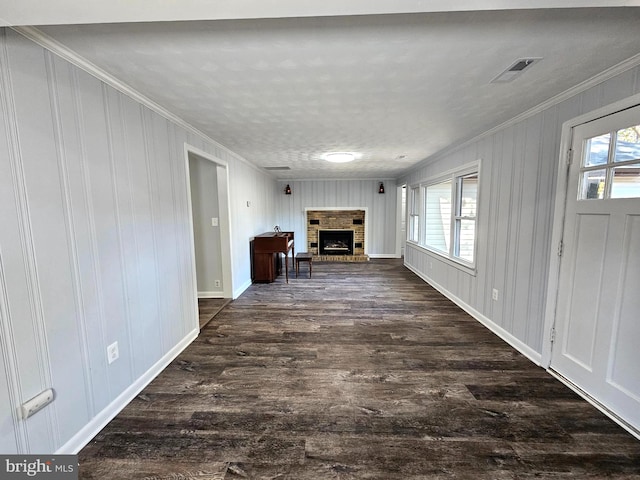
{"x":597,"y":345}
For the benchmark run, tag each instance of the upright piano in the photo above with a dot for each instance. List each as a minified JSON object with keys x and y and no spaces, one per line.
{"x":267,"y":248}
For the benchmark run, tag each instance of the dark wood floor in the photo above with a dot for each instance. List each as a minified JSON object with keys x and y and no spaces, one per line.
{"x":361,"y":372}
{"x":209,"y":308}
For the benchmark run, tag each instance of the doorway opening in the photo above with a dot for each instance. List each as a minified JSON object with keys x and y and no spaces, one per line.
{"x":209,"y":218}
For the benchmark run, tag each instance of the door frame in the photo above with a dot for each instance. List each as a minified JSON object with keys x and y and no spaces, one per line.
{"x":400,"y":214}
{"x":559,"y":212}
{"x":224,"y":224}
{"x":553,"y":281}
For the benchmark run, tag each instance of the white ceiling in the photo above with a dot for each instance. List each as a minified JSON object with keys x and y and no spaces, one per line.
{"x":394,"y":88}
{"x":66,"y":12}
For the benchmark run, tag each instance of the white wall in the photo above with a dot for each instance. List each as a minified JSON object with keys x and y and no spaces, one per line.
{"x":381,"y":208}
{"x":95,"y":244}
{"x":517,"y":192}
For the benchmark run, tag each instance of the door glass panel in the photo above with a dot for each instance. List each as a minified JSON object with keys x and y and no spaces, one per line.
{"x":593,"y":184}
{"x":626,"y":182}
{"x":628,"y":144}
{"x":597,"y":150}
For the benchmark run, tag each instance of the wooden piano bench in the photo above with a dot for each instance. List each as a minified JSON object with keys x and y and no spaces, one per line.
{"x":304,"y":257}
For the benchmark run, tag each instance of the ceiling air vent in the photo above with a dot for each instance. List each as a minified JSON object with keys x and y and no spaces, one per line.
{"x":515,"y":69}
{"x":277,"y":168}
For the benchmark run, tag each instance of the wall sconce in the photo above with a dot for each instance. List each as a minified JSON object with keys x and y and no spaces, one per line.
{"x":381,"y":188}
{"x":287,"y":190}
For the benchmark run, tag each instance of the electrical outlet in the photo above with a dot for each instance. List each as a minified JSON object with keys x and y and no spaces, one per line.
{"x":217,"y":282}
{"x":494,"y":294}
{"x":112,"y":352}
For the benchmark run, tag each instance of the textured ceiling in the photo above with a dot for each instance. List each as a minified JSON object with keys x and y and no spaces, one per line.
{"x":394,"y":88}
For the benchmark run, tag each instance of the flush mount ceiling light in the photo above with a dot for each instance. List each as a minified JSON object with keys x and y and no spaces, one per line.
{"x":515,"y":69}
{"x":339,"y":157}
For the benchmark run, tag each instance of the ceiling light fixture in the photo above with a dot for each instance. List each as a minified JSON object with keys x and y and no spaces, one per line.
{"x":339,"y":157}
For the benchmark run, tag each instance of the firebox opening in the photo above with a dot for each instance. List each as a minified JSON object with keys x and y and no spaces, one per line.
{"x":335,"y":242}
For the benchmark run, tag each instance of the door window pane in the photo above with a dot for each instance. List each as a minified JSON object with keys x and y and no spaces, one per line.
{"x":610,"y":165}
{"x":628,"y":144}
{"x":626,"y":182}
{"x":597,"y":150}
{"x":593,"y":184}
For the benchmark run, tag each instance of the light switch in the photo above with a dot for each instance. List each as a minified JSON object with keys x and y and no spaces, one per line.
{"x":214,"y":222}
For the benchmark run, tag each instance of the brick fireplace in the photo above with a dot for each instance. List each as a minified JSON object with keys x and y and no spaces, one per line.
{"x":332,"y":225}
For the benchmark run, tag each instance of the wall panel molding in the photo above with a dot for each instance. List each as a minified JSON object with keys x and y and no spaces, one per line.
{"x":7,"y":339}
{"x":86,"y":196}
{"x":10,"y":362}
{"x":132,"y":279}
{"x":89,"y":195}
{"x":147,"y":132}
{"x":27,"y":246}
{"x":79,"y":313}
{"x":117,"y":193}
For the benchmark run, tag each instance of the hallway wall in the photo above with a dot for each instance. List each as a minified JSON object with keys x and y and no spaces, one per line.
{"x":95,"y":244}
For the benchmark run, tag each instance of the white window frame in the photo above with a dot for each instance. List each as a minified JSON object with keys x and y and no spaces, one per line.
{"x":455,"y":176}
{"x":413,"y":205}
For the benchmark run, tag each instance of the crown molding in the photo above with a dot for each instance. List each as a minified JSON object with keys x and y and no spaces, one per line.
{"x":72,"y":57}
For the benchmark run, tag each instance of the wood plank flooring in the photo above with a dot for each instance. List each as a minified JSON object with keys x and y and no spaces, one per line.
{"x":361,"y":372}
{"x":209,"y":308}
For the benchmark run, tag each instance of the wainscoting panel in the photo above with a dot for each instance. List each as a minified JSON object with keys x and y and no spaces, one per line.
{"x":515,"y":217}
{"x":12,"y":433}
{"x":20,"y":238}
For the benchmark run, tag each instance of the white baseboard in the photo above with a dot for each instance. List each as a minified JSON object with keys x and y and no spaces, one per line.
{"x":218,"y":294}
{"x":97,"y":423}
{"x":383,"y":255}
{"x":240,"y":290}
{"x":516,"y":343}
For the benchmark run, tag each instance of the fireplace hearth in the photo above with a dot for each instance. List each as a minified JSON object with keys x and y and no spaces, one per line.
{"x":335,"y":242}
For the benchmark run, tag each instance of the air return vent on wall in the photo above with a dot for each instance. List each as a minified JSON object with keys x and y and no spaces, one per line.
{"x":515,"y":69}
